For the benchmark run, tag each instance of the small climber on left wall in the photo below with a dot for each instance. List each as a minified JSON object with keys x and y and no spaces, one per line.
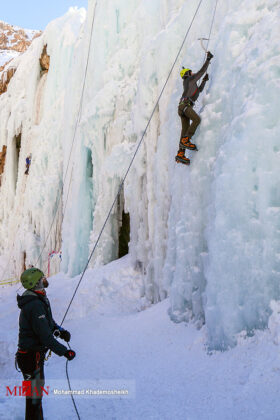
{"x":28,"y":163}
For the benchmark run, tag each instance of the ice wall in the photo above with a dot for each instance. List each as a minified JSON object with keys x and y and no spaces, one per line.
{"x":208,"y":234}
{"x":222,"y":260}
{"x":31,"y":115}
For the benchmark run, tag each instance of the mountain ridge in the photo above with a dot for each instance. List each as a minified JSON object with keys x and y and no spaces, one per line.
{"x":14,"y":41}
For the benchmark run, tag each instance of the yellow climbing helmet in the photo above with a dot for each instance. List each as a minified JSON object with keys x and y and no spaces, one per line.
{"x":184,"y":71}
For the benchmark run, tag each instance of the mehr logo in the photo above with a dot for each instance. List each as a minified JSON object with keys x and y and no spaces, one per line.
{"x":26,"y":390}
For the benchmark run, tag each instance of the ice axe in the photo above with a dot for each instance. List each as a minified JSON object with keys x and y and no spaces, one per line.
{"x":201,"y":43}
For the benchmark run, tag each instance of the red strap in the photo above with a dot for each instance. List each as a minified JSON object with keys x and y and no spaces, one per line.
{"x":37,"y":359}
{"x":195,"y":91}
{"x":40,"y":292}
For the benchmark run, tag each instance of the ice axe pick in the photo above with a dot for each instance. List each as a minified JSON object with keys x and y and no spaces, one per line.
{"x":201,"y":43}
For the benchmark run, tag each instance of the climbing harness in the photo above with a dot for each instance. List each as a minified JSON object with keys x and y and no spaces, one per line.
{"x":48,"y":356}
{"x":187,"y":102}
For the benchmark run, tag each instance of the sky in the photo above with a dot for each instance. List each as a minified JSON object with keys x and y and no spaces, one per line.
{"x":34,"y":14}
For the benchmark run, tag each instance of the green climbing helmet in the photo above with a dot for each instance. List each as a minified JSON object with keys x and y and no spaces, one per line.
{"x":184,"y":71}
{"x":30,"y":277}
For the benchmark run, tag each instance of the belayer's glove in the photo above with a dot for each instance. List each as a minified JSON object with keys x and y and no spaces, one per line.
{"x":205,"y":78}
{"x":209,"y":56}
{"x":62,"y":333}
{"x":70,"y":354}
{"x":65,"y":335}
{"x":56,"y":333}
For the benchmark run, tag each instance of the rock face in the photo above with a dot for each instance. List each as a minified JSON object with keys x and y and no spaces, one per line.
{"x":5,"y":79}
{"x":2,"y":161}
{"x":15,"y":38}
{"x":44,"y":61}
{"x":13,"y":41}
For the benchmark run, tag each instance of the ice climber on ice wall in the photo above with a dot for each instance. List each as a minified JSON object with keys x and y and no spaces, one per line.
{"x":220,"y":263}
{"x":36,"y":329}
{"x":185,"y":108}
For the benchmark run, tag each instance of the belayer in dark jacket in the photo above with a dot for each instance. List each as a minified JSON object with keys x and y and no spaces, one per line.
{"x":185,"y":108}
{"x":36,"y":329}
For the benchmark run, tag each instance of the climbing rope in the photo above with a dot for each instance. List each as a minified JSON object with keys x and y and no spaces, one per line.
{"x":71,"y":149}
{"x":210,"y":31}
{"x":124,"y":178}
{"x":70,"y":389}
{"x":73,"y":140}
{"x":63,"y":211}
{"x":211,"y":27}
{"x":120,"y":189}
{"x":131,"y":162}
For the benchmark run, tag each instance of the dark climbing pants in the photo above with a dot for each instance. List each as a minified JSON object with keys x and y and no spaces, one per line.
{"x":187,"y":114}
{"x":31,"y":364}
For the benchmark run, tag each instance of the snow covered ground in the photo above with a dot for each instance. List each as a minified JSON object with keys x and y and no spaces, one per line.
{"x":207,"y":235}
{"x":164,"y":365}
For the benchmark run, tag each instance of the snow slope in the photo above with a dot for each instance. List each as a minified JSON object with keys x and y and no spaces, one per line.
{"x":163,"y":364}
{"x":207,"y":235}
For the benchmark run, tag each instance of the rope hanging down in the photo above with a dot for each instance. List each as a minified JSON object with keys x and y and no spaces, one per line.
{"x":74,"y":137}
{"x":208,"y":39}
{"x":210,"y":31}
{"x":132,"y":160}
{"x":211,"y":27}
{"x":63,"y":213}
{"x":71,"y":149}
{"x":119,"y":191}
{"x":70,"y":389}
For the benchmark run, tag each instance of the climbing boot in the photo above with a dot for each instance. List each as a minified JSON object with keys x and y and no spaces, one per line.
{"x":185,"y":143}
{"x":180,"y":158}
